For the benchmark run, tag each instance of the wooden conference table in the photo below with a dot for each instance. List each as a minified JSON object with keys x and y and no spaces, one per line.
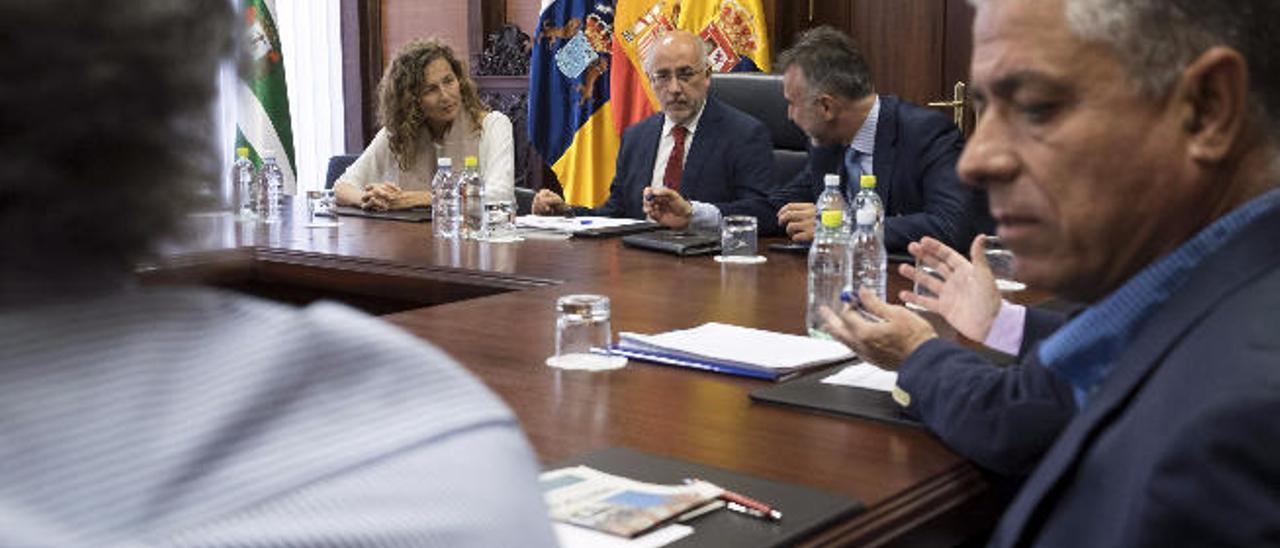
{"x":490,"y":306}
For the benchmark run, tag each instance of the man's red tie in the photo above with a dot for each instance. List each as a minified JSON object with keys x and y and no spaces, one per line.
{"x":675,"y":162}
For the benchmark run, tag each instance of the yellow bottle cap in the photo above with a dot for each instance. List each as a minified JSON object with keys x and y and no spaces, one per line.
{"x":867,"y":181}
{"x":832,"y":218}
{"x":470,"y":161}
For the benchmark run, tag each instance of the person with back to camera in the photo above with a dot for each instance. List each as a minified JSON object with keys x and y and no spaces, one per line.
{"x":138,"y":415}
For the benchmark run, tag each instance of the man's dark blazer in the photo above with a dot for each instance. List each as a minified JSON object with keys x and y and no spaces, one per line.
{"x":1003,"y":418}
{"x":1179,"y":445}
{"x":915,"y":168}
{"x":729,"y":165}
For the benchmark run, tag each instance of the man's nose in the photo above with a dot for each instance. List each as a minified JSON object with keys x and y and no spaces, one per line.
{"x":989,"y":157}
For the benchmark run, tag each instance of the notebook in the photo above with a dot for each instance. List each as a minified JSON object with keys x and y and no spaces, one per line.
{"x":415,"y":215}
{"x":725,"y":348}
{"x":678,"y":242}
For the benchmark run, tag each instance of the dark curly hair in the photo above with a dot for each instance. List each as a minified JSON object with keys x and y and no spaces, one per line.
{"x":400,"y":95}
{"x":106,"y":129}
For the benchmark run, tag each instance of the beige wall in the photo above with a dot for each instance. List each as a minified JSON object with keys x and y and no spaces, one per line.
{"x":524,"y":14}
{"x":405,"y":20}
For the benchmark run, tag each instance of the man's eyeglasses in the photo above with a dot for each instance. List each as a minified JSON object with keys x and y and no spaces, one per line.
{"x":683,"y":75}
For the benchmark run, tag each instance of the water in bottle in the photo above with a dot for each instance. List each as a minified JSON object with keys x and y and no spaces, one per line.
{"x":867,"y":197}
{"x":445,"y":201}
{"x":273,"y":186}
{"x":868,"y":255}
{"x":828,"y":257}
{"x":472,"y":195}
{"x":242,"y":181}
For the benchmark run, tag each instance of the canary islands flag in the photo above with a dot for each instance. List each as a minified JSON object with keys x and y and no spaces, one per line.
{"x":569,"y":119}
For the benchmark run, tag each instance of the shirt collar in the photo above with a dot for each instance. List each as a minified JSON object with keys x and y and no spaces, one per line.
{"x":865,"y":140}
{"x":691,"y":125}
{"x":1084,"y":351}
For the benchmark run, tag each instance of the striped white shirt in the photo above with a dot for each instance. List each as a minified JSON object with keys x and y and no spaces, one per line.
{"x":192,"y":417}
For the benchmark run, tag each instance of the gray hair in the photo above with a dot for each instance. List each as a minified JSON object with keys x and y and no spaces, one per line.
{"x":1157,"y":39}
{"x":832,"y":64}
{"x":107,"y":128}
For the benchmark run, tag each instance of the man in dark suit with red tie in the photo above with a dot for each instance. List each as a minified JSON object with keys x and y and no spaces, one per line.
{"x":692,"y":163}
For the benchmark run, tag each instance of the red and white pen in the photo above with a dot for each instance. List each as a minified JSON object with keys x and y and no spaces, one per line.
{"x":743,"y":504}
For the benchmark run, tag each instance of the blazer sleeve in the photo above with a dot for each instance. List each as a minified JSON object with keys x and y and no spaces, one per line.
{"x":751,"y":175}
{"x":1002,"y":418}
{"x":951,"y":212}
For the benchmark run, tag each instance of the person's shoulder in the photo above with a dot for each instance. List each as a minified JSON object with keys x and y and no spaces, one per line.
{"x":495,"y":119}
{"x":911,"y":114}
{"x":331,"y":341}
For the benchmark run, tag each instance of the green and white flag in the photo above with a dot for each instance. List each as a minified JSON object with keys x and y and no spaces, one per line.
{"x":262,"y":113}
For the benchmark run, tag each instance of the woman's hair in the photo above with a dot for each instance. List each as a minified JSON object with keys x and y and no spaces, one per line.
{"x":107,"y":128}
{"x":400,"y":96}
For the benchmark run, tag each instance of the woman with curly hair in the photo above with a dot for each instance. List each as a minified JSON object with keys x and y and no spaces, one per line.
{"x":429,"y":109}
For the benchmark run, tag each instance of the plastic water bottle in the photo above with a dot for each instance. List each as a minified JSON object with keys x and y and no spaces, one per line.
{"x":242,"y":179}
{"x":472,"y":188}
{"x":867,"y":254}
{"x":828,"y":257}
{"x":273,"y":182}
{"x":445,"y":201}
{"x":867,"y":197}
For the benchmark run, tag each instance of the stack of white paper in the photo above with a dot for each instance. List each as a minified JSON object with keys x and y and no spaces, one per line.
{"x":733,"y":349}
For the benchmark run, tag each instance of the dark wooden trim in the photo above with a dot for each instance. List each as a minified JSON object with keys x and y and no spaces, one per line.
{"x":361,"y":69}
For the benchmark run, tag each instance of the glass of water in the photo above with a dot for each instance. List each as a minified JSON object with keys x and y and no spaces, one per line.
{"x":738,"y":240}
{"x":500,"y":221}
{"x":320,"y":208}
{"x":1001,"y":261}
{"x":918,"y":288}
{"x":583,"y":333}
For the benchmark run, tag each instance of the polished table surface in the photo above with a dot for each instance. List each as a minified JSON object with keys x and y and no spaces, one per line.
{"x":501,"y":329}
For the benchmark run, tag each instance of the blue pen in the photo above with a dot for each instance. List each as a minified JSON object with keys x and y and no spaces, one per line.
{"x":856,"y":303}
{"x":585,"y":221}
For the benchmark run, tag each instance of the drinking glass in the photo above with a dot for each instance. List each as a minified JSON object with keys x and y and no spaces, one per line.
{"x":738,"y":240}
{"x":500,"y":222}
{"x":582,"y":332}
{"x":320,"y":208}
{"x":1001,"y":261}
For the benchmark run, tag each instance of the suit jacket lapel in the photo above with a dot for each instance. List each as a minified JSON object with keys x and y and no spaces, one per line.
{"x":886,"y":149}
{"x":1241,"y":260}
{"x":700,"y":150}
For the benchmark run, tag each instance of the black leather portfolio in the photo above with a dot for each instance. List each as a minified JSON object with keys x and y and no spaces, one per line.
{"x":804,"y":510}
{"x":415,"y":215}
{"x":810,"y":393}
{"x":678,"y":242}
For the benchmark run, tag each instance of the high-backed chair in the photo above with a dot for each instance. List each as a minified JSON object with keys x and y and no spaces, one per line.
{"x":760,"y":95}
{"x":337,"y":165}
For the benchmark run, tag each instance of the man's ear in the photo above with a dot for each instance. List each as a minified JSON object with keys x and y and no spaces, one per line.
{"x":1213,"y":96}
{"x":826,"y":106}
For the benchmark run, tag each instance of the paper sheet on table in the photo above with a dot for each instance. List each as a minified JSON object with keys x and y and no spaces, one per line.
{"x":571,"y":225}
{"x":572,"y":536}
{"x":864,"y":375}
{"x":741,"y":346}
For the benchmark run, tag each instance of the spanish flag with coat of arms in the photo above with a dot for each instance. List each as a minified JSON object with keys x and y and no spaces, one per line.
{"x":587,"y":81}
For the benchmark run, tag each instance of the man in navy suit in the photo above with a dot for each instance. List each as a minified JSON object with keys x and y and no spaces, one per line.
{"x":1131,"y":152}
{"x":853,"y":131}
{"x":692,"y":163}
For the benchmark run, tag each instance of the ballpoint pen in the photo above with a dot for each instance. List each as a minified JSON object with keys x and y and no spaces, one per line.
{"x":743,"y":504}
{"x":856,"y":303}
